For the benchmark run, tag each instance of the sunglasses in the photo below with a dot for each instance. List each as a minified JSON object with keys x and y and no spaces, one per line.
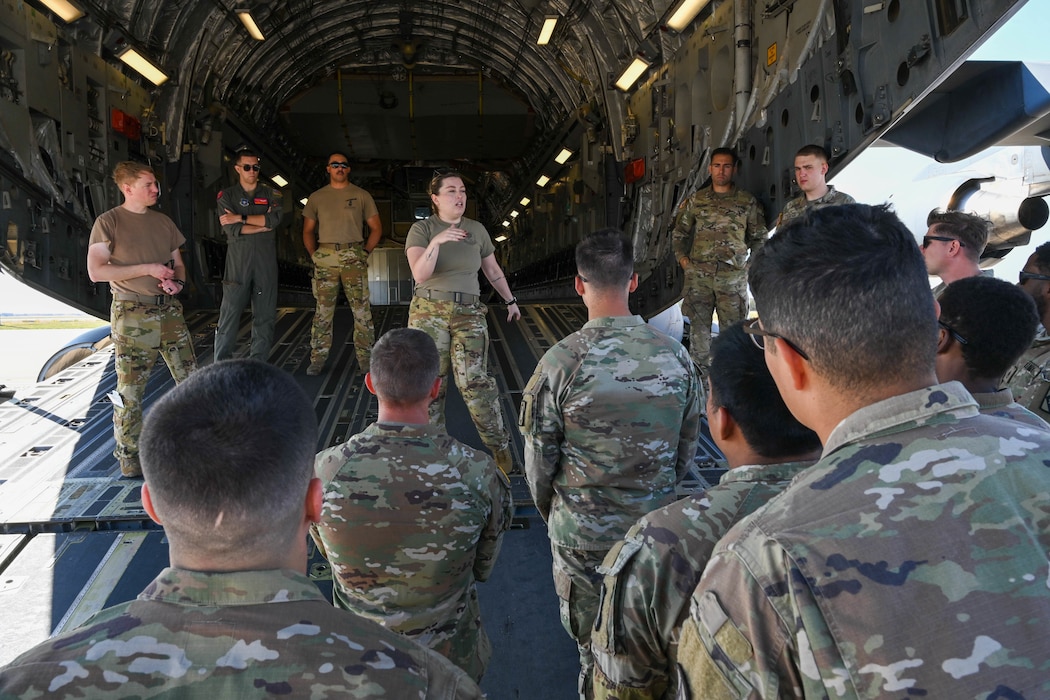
{"x":338,"y":165}
{"x":1025,"y":276}
{"x":926,"y":240}
{"x":248,"y":168}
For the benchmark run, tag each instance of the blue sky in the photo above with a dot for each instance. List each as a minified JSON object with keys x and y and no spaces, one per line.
{"x":877,"y":171}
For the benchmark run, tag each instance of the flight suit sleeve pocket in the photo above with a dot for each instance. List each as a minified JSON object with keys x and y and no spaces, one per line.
{"x":607,"y":628}
{"x":528,"y":415}
{"x":711,"y":652}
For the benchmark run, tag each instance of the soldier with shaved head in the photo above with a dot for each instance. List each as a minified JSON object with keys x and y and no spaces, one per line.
{"x":228,"y":461}
{"x":610,"y":419}
{"x":413,"y":519}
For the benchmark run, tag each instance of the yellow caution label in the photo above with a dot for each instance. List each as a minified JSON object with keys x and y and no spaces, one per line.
{"x":771,"y":54}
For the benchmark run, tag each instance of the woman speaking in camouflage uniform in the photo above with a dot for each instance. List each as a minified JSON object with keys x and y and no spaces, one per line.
{"x":445,"y":252}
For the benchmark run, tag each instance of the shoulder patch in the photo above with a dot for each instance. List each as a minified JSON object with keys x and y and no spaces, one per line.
{"x":219,"y":196}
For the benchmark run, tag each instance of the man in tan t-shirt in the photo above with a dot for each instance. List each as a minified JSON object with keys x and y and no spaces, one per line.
{"x":333,"y":233}
{"x":136,"y":250}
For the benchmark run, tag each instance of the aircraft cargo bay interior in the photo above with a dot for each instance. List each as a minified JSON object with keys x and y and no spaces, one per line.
{"x":563,"y":117}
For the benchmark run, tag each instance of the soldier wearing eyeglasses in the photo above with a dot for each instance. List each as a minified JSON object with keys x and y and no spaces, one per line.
{"x":911,"y":558}
{"x":1029,"y":378}
{"x":953,"y":245}
{"x":333,"y":233}
{"x":249,"y":213}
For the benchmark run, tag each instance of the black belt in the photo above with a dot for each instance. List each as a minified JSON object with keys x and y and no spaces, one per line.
{"x":438,"y":295}
{"x":340,"y":246}
{"x":158,"y":300}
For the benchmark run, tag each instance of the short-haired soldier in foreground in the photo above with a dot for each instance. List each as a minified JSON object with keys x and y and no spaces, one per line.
{"x":985,"y":325}
{"x":911,"y":559}
{"x":412,"y":517}
{"x":228,"y":461}
{"x":652,"y":572}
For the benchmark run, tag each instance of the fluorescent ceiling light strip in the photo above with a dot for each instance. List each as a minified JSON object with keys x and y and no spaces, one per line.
{"x":548,"y":29}
{"x":634,"y":71}
{"x":249,"y":23}
{"x":144,"y":66}
{"x":685,"y":14}
{"x":66,"y":10}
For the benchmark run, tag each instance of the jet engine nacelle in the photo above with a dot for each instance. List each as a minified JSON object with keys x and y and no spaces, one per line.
{"x":1013,"y":218}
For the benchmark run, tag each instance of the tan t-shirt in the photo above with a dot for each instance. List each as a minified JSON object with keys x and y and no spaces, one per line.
{"x":458,"y":263}
{"x":134,"y":239}
{"x":340,"y":213}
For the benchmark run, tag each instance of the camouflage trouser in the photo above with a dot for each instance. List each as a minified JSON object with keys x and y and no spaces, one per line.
{"x":462,"y":337}
{"x":251,"y":274}
{"x":348,"y":267}
{"x":139,"y":332}
{"x":706,"y":291}
{"x":578,"y":585}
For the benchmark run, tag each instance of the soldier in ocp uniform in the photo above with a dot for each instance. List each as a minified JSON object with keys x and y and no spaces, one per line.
{"x":394,"y":486}
{"x":445,"y":252}
{"x":811,"y":169}
{"x":911,"y":558}
{"x":333,"y":233}
{"x":650,"y":574}
{"x":610,"y":419}
{"x":234,"y":615}
{"x":248,"y":212}
{"x":713,"y":232}
{"x":1029,"y":378}
{"x":986,"y":324}
{"x":136,"y":250}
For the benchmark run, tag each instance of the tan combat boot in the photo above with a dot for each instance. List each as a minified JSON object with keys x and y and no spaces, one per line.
{"x":130,"y":467}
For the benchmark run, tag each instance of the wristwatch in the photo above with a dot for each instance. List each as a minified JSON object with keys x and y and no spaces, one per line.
{"x":244,"y":218}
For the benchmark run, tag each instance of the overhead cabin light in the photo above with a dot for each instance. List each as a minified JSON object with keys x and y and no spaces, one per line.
{"x":634,"y":71}
{"x":563,"y":156}
{"x":500,"y":238}
{"x":66,"y":10}
{"x":506,"y":224}
{"x":685,"y":13}
{"x":304,"y":200}
{"x":542,"y":182}
{"x":547,"y":30}
{"x":279,"y":181}
{"x":524,"y":201}
{"x":143,"y":65}
{"x":514,"y":214}
{"x":249,"y":23}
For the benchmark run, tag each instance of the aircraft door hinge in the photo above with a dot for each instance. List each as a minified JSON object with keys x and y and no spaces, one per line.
{"x":919,"y":52}
{"x":880,"y":108}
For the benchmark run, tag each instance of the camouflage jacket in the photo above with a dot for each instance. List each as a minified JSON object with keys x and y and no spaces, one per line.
{"x":651,"y":573}
{"x":911,"y":560}
{"x":411,"y":519}
{"x":800,"y":205}
{"x":610,"y":419}
{"x":1001,"y":403}
{"x":1029,"y":378}
{"x":244,"y":634}
{"x":719,"y":227}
